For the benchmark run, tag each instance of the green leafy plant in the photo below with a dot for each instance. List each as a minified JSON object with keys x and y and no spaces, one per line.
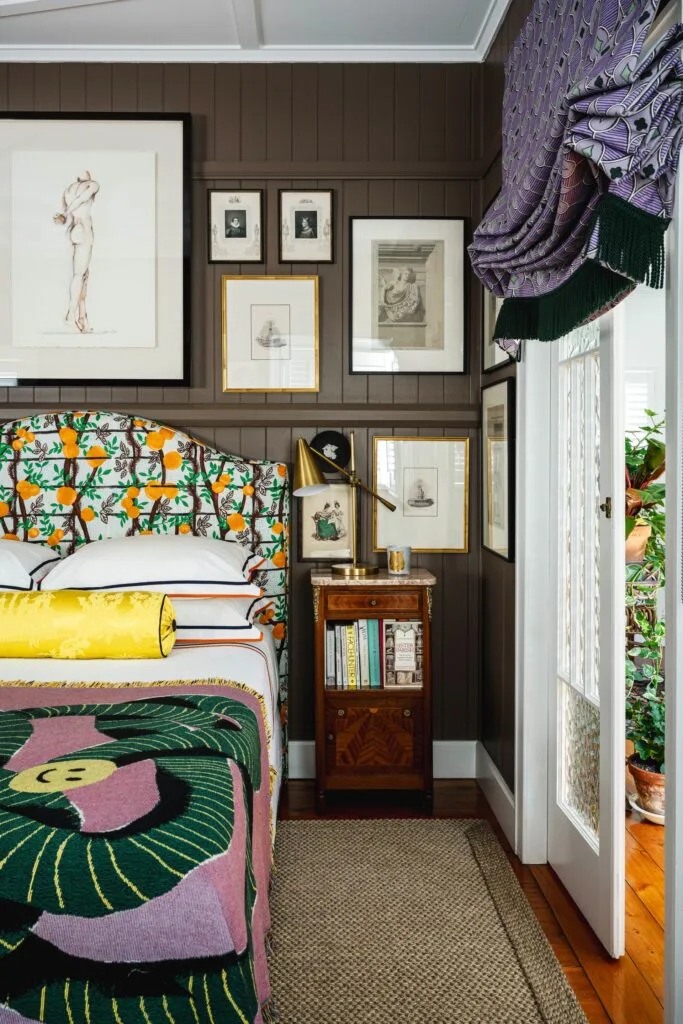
{"x":645,"y":698}
{"x":645,"y":462}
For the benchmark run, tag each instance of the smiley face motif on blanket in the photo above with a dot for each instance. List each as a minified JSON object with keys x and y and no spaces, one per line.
{"x":126,"y":881}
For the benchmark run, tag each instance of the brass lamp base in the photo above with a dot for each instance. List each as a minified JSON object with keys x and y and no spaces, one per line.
{"x":354,"y":569}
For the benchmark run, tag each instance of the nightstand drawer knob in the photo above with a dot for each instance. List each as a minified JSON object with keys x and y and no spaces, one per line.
{"x":341,"y":712}
{"x":330,"y":737}
{"x":373,"y":711}
{"x":373,"y":602}
{"x":406,"y":712}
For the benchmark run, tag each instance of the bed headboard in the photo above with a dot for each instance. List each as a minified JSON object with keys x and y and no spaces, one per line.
{"x":67,"y":478}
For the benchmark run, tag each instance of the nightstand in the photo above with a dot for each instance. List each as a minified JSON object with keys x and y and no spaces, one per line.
{"x":379,"y":736}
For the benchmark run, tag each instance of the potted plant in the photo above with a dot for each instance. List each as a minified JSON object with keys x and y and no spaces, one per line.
{"x":646,"y":712}
{"x":645,"y":461}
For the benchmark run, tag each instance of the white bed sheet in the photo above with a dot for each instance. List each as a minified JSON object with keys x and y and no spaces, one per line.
{"x":255,"y":665}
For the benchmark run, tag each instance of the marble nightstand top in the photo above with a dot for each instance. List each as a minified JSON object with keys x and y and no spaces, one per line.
{"x":415,"y":578}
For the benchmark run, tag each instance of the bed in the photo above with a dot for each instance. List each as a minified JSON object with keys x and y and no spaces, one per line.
{"x":143,"y":895}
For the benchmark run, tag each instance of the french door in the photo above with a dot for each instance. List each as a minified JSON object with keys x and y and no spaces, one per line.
{"x":586,"y":643}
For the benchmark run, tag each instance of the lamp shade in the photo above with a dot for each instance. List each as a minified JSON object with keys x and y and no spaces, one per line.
{"x":307,"y":476}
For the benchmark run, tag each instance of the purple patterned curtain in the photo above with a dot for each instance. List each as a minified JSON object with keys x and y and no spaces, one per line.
{"x":592,"y":129}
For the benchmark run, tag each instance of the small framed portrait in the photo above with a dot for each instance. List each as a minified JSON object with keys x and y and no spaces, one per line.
{"x":407,"y":295}
{"x":270,"y":333}
{"x":498,"y":470}
{"x":236,"y":221}
{"x":306,"y":226}
{"x":427,"y":479}
{"x":492,"y":355}
{"x":325,"y":530}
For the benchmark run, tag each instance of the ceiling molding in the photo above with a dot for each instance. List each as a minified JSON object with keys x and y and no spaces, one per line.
{"x":490,"y":27}
{"x":235,"y":54}
{"x":10,"y":8}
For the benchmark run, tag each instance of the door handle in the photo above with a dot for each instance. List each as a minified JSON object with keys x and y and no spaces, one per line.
{"x":606,"y":507}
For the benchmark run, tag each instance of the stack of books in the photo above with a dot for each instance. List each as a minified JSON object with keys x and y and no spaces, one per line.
{"x":373,"y":654}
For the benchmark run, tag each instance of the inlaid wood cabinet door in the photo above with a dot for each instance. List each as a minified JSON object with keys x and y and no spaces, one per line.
{"x":374,"y":736}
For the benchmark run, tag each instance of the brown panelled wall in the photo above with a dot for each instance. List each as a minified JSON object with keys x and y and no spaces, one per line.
{"x":497,"y":609}
{"x":390,"y":140}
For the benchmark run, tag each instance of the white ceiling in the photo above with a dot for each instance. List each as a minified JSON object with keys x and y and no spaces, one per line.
{"x":248,"y":30}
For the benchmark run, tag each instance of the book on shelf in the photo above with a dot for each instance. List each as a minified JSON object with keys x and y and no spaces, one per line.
{"x":352,"y":656}
{"x":369,"y":654}
{"x":403,"y":653}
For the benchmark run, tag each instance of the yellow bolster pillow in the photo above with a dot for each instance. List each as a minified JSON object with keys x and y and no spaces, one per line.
{"x":84,"y":624}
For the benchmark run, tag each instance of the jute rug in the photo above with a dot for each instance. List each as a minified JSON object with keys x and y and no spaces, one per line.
{"x":410,"y":921}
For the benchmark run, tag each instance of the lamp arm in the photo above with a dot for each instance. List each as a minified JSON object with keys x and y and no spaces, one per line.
{"x":358,"y":481}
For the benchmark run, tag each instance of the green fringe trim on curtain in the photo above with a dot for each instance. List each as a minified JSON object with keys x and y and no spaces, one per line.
{"x":630,"y":242}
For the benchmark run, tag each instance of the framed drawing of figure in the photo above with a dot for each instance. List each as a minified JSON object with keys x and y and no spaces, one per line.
{"x":94,"y":281}
{"x":498,"y":469}
{"x":306,"y":226}
{"x":407,"y":295}
{"x":427,"y":479}
{"x":325,"y":533}
{"x":236,"y":221}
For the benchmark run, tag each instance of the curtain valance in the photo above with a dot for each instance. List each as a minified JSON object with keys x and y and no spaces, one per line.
{"x":592,"y":130}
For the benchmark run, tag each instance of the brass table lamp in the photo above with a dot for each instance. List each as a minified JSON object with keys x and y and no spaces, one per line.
{"x":309,"y":480}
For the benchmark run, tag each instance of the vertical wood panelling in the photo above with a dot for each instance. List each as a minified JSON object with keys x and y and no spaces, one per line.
{"x":305,"y":112}
{"x":279,"y":133}
{"x":344,"y":117}
{"x":228,"y":111}
{"x":330,"y":111}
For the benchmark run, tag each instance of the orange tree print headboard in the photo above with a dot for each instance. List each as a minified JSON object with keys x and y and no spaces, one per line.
{"x":71,"y":477}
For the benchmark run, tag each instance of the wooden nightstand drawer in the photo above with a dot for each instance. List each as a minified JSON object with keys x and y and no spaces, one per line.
{"x":399,"y":601}
{"x":374,"y":734}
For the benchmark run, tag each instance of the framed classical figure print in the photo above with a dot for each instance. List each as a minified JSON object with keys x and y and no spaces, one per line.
{"x":236,"y":220}
{"x":270,"y":333}
{"x":492,"y":355}
{"x":325,"y":533}
{"x":498,"y":470}
{"x":94,"y":282}
{"x":427,"y":478}
{"x":407,"y":295}
{"x":306,"y":226}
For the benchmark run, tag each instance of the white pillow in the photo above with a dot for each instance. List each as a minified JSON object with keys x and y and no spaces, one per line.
{"x":23,"y":565}
{"x":214,"y":620}
{"x":175,"y":565}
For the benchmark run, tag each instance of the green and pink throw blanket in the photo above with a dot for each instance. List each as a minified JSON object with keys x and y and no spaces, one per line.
{"x":135,"y":854}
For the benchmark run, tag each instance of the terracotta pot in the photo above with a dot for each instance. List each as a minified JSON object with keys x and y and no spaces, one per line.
{"x":637,"y":542}
{"x":650,"y":786}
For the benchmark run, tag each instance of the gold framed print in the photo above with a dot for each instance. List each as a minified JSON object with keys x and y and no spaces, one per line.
{"x":427,"y":479}
{"x":270,"y":333}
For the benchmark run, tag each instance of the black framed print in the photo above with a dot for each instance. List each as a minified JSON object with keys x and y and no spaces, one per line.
{"x":306,"y":226}
{"x":498,"y":468}
{"x":94,"y":283}
{"x":236,"y":225}
{"x":492,"y":355}
{"x":407,"y":295}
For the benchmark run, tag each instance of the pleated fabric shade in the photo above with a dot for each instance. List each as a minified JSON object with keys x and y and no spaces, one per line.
{"x":592,"y":131}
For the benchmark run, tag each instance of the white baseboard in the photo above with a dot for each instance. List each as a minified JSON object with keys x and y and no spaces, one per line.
{"x":497,"y":793}
{"x":453,"y":759}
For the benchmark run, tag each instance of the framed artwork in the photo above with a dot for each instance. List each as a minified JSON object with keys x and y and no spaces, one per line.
{"x":270,"y":333}
{"x":498,"y":470}
{"x":325,"y":533}
{"x":492,"y":355}
{"x":407,"y":295}
{"x":94,"y":282}
{"x":427,"y":478}
{"x":306,"y":226}
{"x":236,"y":220}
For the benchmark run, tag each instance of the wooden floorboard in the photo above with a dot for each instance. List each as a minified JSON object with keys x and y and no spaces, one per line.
{"x":627,"y":991}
